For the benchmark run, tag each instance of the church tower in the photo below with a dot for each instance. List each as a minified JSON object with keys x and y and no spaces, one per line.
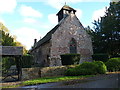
{"x":64,"y":12}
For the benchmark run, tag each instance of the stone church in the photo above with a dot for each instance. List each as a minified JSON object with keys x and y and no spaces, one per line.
{"x":68,"y":36}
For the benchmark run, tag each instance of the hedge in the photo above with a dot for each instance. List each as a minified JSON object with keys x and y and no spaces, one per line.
{"x":87,"y":68}
{"x":26,"y":61}
{"x":100,"y":57}
{"x":70,"y":59}
{"x":7,"y":62}
{"x":113,"y":64}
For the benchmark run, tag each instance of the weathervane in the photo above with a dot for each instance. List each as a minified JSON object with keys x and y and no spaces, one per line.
{"x":65,"y":3}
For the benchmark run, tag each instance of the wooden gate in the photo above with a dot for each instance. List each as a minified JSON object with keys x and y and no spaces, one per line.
{"x":13,"y":72}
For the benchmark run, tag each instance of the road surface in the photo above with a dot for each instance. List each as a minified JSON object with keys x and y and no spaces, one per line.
{"x":101,"y":81}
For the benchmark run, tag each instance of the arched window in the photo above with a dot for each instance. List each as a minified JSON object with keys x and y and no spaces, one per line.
{"x":73,"y":46}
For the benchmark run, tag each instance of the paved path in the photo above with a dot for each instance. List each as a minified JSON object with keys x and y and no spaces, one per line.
{"x":102,"y":81}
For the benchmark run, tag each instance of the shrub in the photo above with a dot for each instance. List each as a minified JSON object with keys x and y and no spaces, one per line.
{"x":100,"y":57}
{"x":69,"y":59}
{"x":113,"y":64}
{"x":7,"y":62}
{"x":101,"y":67}
{"x":26,"y":61}
{"x":72,"y":72}
{"x":87,"y":68}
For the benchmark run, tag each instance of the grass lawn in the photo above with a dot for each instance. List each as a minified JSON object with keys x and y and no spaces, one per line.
{"x":47,"y":80}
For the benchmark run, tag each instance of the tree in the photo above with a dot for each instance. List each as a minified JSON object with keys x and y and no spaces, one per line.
{"x":3,"y":28}
{"x":8,"y":40}
{"x":106,"y":33}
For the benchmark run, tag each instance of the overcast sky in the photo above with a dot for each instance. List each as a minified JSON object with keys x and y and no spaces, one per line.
{"x":30,"y":19}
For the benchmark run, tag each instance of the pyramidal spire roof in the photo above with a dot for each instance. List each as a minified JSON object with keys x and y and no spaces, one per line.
{"x":67,"y":7}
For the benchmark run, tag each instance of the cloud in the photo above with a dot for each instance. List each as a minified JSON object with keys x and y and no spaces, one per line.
{"x":79,"y":13}
{"x":98,"y":13}
{"x":29,"y":11}
{"x":53,"y":19}
{"x":114,"y":0}
{"x":2,"y":21}
{"x":37,"y":23}
{"x":26,"y":36}
{"x":54,"y":3}
{"x":7,"y":6}
{"x":59,"y":3}
{"x":30,"y":20}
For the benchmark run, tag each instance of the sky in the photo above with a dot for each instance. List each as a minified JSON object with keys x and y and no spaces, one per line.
{"x":30,"y":19}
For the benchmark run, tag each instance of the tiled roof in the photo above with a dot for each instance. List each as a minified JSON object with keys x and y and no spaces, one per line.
{"x":47,"y":37}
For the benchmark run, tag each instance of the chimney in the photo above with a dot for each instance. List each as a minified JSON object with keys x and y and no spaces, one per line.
{"x":35,"y":41}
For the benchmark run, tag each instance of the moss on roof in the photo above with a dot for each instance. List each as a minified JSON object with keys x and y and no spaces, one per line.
{"x":67,"y":7}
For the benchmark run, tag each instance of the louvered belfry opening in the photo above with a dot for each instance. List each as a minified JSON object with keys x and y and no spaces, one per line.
{"x":64,"y":12}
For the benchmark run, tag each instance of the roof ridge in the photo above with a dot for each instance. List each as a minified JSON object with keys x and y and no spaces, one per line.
{"x":67,"y":7}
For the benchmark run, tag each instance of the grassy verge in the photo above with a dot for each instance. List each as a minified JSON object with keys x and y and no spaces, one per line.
{"x":47,"y":80}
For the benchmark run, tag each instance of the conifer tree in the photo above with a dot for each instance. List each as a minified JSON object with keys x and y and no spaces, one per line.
{"x":106,"y":33}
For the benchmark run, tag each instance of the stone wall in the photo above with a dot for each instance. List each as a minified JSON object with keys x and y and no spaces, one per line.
{"x":41,"y":54}
{"x":32,"y":73}
{"x":45,"y":53}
